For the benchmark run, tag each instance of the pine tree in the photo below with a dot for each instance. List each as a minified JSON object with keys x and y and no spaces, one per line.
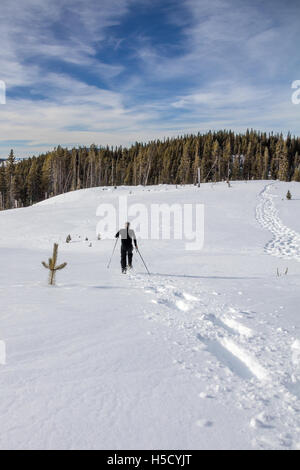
{"x":236,"y":168}
{"x":166,"y":166}
{"x":206,"y":160}
{"x":196,"y":164}
{"x":33,"y":182}
{"x":216,"y":167}
{"x":10,"y":172}
{"x":283,"y":172}
{"x":53,"y":268}
{"x":46,"y":177}
{"x":247,"y":162}
{"x":185,"y":166}
{"x":296,"y":176}
{"x":92,"y":167}
{"x":265,"y":169}
{"x":3,"y":187}
{"x":258,"y":169}
{"x":226,"y":160}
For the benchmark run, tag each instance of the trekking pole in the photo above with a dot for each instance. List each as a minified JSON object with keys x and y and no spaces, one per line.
{"x":108,"y":266}
{"x":143,"y":261}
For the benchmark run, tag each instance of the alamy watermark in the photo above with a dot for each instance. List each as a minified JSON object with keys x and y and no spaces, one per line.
{"x":2,"y":92}
{"x":296,"y":94}
{"x":2,"y":353}
{"x":155,"y":221}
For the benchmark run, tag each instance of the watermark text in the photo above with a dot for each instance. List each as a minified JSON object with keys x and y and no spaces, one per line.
{"x":2,"y":92}
{"x":296,"y":94}
{"x":2,"y":353}
{"x":155,"y":221}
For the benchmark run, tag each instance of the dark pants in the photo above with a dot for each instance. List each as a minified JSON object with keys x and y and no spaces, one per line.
{"x":126,"y":253}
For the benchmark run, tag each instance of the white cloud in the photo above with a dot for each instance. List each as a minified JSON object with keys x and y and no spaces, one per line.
{"x":232,"y":69}
{"x":220,"y":94}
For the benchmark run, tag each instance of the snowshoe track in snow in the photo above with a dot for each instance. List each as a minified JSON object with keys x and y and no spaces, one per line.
{"x":220,"y":333}
{"x":234,"y":357}
{"x":221,"y":351}
{"x":285,"y":242}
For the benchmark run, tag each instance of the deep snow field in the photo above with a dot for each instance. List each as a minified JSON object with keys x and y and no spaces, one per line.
{"x":202,"y":354}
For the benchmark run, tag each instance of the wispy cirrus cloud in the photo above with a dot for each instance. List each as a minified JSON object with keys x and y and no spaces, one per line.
{"x":236,"y":60}
{"x":117,"y":71}
{"x":35,"y":31}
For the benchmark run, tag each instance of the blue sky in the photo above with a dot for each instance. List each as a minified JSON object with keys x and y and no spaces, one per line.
{"x":118,"y":71}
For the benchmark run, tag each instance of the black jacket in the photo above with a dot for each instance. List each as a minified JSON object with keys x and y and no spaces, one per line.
{"x":127,"y":236}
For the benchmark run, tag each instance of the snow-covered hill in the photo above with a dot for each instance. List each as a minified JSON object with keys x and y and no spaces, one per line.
{"x":204,"y":353}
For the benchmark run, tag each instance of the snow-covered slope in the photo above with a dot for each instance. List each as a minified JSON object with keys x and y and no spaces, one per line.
{"x":204,"y":353}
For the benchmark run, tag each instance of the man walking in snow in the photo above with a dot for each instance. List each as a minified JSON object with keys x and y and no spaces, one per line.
{"x":127,"y":237}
